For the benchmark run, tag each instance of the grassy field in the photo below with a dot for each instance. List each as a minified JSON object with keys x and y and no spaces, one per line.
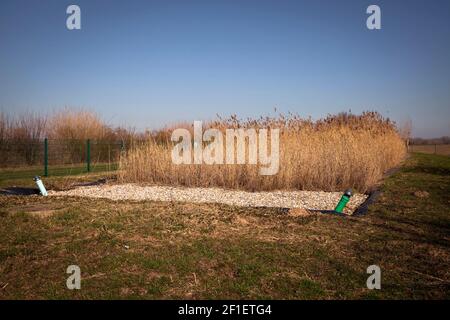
{"x":158,"y":250}
{"x":24,"y":175}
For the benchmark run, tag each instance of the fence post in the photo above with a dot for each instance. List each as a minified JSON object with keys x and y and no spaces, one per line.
{"x":45,"y":157}
{"x":435,"y":148}
{"x":109,"y":156}
{"x":88,"y":155}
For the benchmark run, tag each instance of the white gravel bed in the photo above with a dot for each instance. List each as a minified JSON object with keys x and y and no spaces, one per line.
{"x":313,"y":200}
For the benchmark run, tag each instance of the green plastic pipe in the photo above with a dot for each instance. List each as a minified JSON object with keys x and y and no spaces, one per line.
{"x":343,"y":201}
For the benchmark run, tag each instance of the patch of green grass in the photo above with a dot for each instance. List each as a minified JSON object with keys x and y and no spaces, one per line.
{"x":54,"y":171}
{"x":66,"y":217}
{"x":298,"y":288}
{"x":24,"y":176}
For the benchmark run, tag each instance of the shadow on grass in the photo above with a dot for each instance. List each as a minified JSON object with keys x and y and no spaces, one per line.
{"x":439,"y":171}
{"x":18,"y":191}
{"x":401,"y":229}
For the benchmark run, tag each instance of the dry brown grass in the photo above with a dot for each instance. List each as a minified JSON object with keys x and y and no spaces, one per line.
{"x":334,"y":153}
{"x":22,"y":135}
{"x":77,"y":125}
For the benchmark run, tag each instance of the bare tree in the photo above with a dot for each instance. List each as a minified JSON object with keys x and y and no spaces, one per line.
{"x":5,"y":130}
{"x":29,"y":129}
{"x":405,"y":131}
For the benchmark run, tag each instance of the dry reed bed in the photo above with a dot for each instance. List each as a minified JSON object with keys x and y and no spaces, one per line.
{"x":332,"y":154}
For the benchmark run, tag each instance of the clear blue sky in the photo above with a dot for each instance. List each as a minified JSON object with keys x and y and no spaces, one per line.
{"x":148,"y":63}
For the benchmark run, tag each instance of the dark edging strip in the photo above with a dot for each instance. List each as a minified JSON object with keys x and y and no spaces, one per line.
{"x":361,"y":210}
{"x":364,"y":207}
{"x":373,"y":196}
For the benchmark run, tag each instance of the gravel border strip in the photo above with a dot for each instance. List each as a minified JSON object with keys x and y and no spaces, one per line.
{"x":310,"y":200}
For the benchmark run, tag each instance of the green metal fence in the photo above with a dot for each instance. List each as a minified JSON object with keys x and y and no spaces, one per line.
{"x":442,"y":149}
{"x":49,"y":157}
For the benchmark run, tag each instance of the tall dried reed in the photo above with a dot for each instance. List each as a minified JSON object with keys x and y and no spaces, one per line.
{"x":76,"y":125}
{"x":338,"y":152}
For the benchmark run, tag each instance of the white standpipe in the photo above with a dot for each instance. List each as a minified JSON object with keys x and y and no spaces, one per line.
{"x":40,"y":185}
